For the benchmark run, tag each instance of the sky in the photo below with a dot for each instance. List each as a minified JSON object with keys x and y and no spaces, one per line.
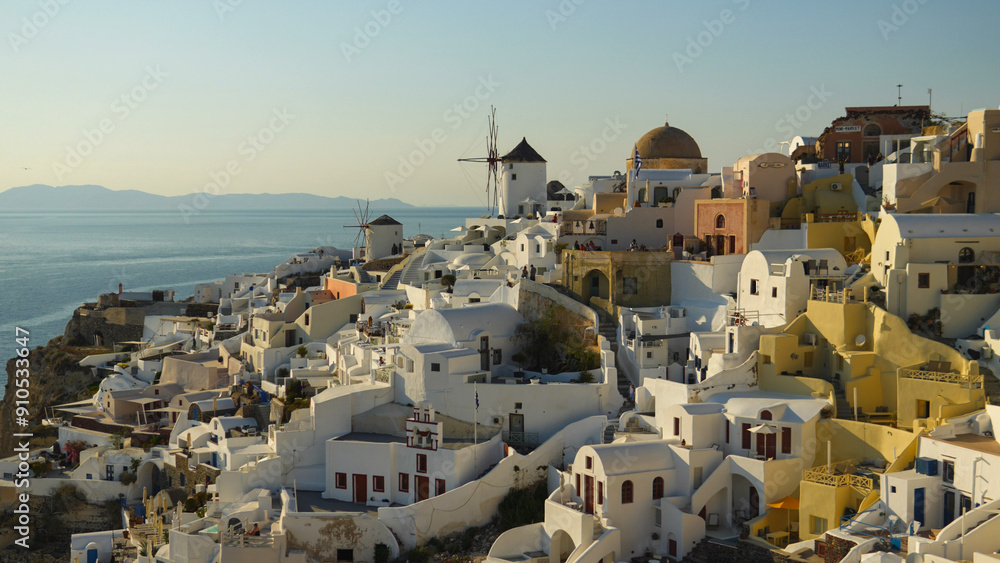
{"x":381,"y":98}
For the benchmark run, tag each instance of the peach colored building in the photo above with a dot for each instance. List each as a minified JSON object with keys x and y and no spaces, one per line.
{"x":730,"y":226}
{"x":340,"y":288}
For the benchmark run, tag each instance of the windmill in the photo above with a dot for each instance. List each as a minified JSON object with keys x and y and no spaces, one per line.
{"x":492,"y":160}
{"x":362,"y":218}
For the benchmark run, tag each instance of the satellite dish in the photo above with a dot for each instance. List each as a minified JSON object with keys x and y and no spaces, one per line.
{"x":860,"y":340}
{"x":618,"y":212}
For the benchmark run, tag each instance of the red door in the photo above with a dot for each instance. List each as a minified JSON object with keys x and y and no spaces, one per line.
{"x":588,"y":495}
{"x":423,"y":487}
{"x":360,"y":488}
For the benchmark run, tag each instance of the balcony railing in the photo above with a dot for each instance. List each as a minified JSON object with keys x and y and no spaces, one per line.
{"x":967,"y":381}
{"x":383,"y":374}
{"x":521,"y":438}
{"x":240,"y":539}
{"x":839,"y":475}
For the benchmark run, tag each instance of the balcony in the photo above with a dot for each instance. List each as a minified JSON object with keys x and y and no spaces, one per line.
{"x":940,"y":372}
{"x":841,"y":474}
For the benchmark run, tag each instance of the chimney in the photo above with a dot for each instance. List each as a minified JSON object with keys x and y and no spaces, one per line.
{"x":119,"y":288}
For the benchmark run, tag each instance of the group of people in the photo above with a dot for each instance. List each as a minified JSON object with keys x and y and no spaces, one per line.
{"x":636,"y":247}
{"x":589,"y":246}
{"x":530,"y":274}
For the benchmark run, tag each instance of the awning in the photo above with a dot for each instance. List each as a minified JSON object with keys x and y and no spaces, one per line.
{"x":788,"y":503}
{"x":144,"y":400}
{"x":763,"y":429}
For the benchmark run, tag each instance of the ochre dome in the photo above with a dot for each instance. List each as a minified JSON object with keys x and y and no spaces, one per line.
{"x":668,"y":142}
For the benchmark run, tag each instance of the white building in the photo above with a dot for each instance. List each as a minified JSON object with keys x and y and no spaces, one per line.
{"x":775,"y":285}
{"x":950,"y":262}
{"x":383,"y":238}
{"x":522,"y":182}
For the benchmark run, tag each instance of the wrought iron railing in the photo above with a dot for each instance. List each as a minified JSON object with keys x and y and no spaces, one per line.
{"x":521,"y":438}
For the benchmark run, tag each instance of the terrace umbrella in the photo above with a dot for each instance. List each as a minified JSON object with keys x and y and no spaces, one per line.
{"x":763,"y":429}
{"x":789,"y":504}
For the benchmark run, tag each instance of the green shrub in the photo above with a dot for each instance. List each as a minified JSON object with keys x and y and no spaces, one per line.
{"x":522,"y":507}
{"x":382,"y":553}
{"x":418,"y":555}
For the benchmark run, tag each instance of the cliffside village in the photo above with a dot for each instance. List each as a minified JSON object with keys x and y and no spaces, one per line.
{"x":791,"y":359}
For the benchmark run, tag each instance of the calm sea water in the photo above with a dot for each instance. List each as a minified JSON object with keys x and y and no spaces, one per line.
{"x":51,"y":262}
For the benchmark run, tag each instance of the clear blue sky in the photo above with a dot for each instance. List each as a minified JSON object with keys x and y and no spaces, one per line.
{"x":361,"y":103}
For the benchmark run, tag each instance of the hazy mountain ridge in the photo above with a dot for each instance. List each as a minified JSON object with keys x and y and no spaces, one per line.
{"x":90,"y":197}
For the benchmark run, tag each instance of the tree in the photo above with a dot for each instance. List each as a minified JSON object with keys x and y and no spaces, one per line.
{"x":302,"y":351}
{"x":448,"y":280}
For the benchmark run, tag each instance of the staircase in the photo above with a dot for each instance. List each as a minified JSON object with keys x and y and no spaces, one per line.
{"x":609,"y":431}
{"x":843,"y":406}
{"x":699,"y":554}
{"x":392,"y":282}
{"x":608,"y":328}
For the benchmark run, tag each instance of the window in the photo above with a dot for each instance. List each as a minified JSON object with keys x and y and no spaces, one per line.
{"x":649,"y":355}
{"x":818,"y":526}
{"x":307,"y":319}
{"x":658,"y":488}
{"x":774,"y":292}
{"x":590,"y":462}
{"x":513,"y":176}
{"x":948,"y":473}
{"x":600,"y":492}
{"x":892,"y":489}
{"x":345,"y":555}
{"x":966,"y":255}
{"x":517,"y":406}
{"x":766,"y":415}
{"x":677,"y":426}
{"x":522,"y":248}
{"x":421,"y":463}
{"x":538,"y":248}
{"x":438,"y":487}
{"x":923,"y":281}
{"x":630,"y":286}
{"x":843,"y":152}
{"x":627,"y":492}
{"x":404,"y":482}
{"x":341,"y":480}
{"x":746,"y":436}
{"x":720,"y":221}
{"x":754,"y":287}
{"x":872,"y":130}
{"x":727,"y":431}
{"x":659,"y":223}
{"x":435,"y":367}
{"x":786,"y":440}
{"x":378,"y":484}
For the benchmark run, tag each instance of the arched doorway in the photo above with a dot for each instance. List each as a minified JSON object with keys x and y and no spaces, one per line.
{"x":148,"y":477}
{"x":746,"y":499}
{"x":596,"y":284}
{"x":560,"y":547}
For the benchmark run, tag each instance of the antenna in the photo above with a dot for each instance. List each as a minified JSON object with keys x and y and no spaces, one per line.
{"x":899,"y":94}
{"x":492,"y":160}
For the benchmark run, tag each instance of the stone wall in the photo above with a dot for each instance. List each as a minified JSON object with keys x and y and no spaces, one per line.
{"x":86,"y":324}
{"x":201,"y":475}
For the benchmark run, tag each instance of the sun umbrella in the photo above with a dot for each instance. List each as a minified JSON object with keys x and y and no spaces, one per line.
{"x":789,"y":504}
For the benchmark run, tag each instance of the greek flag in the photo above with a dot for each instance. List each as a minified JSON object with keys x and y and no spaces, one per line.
{"x":637,"y":162}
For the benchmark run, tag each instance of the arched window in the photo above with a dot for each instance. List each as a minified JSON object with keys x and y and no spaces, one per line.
{"x":872,"y":130}
{"x":658,"y":488}
{"x":765,"y":415}
{"x":627,"y":492}
{"x":720,"y":221}
{"x":966,"y":255}
{"x":659,"y":223}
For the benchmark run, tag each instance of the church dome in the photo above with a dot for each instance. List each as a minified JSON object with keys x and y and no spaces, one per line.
{"x":668,"y":142}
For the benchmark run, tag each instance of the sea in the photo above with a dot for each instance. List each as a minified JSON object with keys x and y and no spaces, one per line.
{"x":52,"y":262}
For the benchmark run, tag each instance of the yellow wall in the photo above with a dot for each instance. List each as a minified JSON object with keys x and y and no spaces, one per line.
{"x":824,"y":501}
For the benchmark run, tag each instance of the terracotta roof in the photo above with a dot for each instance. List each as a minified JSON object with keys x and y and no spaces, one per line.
{"x":523,"y":153}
